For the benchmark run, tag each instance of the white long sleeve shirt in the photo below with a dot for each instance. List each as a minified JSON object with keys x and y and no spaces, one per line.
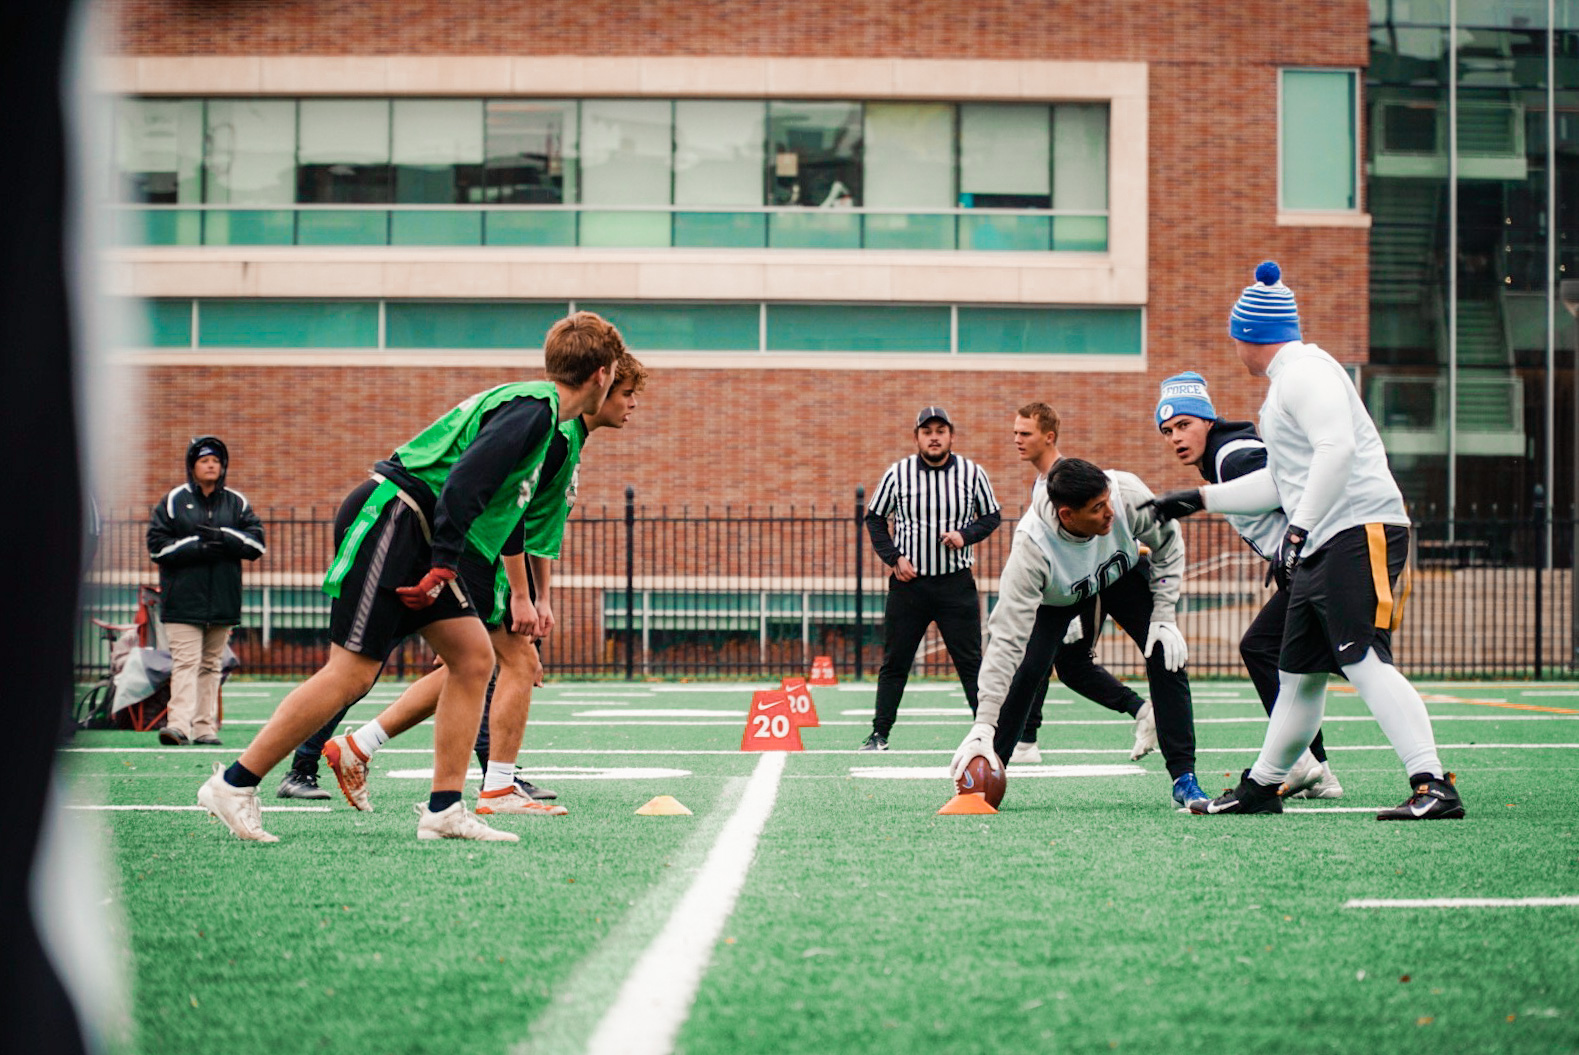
{"x":1049,"y":566}
{"x":1324,"y":455}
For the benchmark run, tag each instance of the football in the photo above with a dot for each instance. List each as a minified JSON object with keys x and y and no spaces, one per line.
{"x":983,"y":776}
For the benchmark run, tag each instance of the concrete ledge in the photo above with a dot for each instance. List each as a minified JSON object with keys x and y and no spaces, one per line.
{"x":1324,"y":219}
{"x":660,"y":75}
{"x":910,"y":362}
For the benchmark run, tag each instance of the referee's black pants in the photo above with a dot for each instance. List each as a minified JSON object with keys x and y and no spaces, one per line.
{"x":1259,"y":649}
{"x":1078,"y":669}
{"x":1128,"y":601}
{"x":949,"y":601}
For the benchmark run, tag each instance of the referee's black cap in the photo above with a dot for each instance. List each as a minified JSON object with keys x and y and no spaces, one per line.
{"x":933,"y":413}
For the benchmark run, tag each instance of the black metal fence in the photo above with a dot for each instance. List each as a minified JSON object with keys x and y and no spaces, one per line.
{"x":653,"y":593}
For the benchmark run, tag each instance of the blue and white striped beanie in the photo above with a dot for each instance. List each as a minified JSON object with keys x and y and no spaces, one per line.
{"x":1265,"y":312}
{"x":1184,"y":394}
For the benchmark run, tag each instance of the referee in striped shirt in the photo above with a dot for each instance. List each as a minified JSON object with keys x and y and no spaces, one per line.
{"x":942,"y":505}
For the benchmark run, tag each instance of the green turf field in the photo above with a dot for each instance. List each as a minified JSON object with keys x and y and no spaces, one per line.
{"x":1089,"y":916}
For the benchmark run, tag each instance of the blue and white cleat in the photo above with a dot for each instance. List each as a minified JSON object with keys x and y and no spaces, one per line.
{"x":1186,"y":791}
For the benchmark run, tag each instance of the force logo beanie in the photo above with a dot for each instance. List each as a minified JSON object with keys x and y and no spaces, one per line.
{"x":1184,"y":394}
{"x":1265,"y":312}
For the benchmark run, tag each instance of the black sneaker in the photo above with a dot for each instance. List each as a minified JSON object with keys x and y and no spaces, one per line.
{"x":208,"y":740}
{"x":1248,"y":797}
{"x":1433,"y":800}
{"x":173,"y":737}
{"x":875,"y":742}
{"x":530,"y":789}
{"x":299,"y":785}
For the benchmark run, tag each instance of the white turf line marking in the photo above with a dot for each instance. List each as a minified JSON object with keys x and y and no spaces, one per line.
{"x":656,"y":998}
{"x":200,"y":809}
{"x":817,"y":751}
{"x":1463,"y":902}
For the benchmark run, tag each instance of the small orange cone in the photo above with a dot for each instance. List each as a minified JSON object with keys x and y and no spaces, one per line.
{"x":974,"y":803}
{"x":663,"y":806}
{"x":822,"y":671}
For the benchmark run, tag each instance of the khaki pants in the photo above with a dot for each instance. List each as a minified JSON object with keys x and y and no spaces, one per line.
{"x":195,"y":653}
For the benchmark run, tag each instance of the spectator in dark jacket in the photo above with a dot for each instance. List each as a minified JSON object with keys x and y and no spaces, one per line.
{"x":199,"y":535}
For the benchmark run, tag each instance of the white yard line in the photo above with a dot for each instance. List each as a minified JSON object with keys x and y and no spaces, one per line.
{"x":1251,"y":748}
{"x":184,"y":809}
{"x":1463,"y":902}
{"x":656,"y":998}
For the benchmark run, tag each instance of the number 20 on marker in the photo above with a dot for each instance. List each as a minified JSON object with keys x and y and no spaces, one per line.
{"x":770,"y":725}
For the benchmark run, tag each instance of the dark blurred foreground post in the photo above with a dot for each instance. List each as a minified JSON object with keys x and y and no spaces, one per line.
{"x":40,"y":506}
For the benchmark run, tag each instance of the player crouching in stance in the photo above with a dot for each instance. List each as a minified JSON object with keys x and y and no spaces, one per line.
{"x":1345,"y":556}
{"x":520,"y":612}
{"x":1081,"y":539}
{"x":1226,"y":450}
{"x":457,"y":488}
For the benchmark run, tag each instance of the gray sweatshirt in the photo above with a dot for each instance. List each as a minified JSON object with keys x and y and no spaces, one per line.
{"x":1049,"y":566}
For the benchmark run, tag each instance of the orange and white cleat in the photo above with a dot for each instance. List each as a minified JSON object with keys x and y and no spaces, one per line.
{"x":350,"y":769}
{"x":513,"y":800}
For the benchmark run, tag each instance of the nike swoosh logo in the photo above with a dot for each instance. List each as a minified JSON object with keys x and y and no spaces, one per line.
{"x":1422,"y":809}
{"x":1344,"y":646}
{"x":1212,"y":807}
{"x":968,"y":780}
{"x":765,"y":706}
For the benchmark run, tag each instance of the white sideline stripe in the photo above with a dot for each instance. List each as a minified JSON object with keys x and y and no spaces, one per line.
{"x":941,"y":773}
{"x":923,"y":712}
{"x":1463,"y":902}
{"x":673,"y":712}
{"x":199,"y":809}
{"x":656,"y":998}
{"x":817,"y":751}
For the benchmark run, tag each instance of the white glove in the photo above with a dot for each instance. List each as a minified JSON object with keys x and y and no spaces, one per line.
{"x":1075,"y":632}
{"x":1174,"y":651}
{"x":977,"y":742}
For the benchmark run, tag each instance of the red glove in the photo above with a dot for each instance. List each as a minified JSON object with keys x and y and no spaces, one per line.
{"x":427,"y":591}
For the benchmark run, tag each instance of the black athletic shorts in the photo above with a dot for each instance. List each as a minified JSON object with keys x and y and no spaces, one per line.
{"x":480,"y":580}
{"x":368,"y":617}
{"x":1348,"y":597}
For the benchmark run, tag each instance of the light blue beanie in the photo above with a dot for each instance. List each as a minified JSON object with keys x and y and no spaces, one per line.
{"x":1184,"y":394}
{"x":1265,"y":312}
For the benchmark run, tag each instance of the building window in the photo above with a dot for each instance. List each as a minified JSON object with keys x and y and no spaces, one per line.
{"x":1318,"y":122}
{"x":626,"y":173}
{"x":648,"y":326}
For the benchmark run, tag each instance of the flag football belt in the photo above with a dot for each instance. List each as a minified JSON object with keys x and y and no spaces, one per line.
{"x":371,"y":510}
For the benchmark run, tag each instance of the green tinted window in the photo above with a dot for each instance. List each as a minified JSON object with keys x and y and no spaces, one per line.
{"x":1318,"y":139}
{"x":287,"y":324}
{"x":1050,"y":331}
{"x":852,"y":328}
{"x":429,"y":324}
{"x":158,"y":324}
{"x":683,"y":327}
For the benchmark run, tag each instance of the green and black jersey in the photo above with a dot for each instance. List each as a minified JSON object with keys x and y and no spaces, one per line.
{"x":543,"y":526}
{"x":472,"y":473}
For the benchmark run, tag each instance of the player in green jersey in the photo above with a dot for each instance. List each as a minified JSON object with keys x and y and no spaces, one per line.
{"x":522,"y":613}
{"x":457,"y":488}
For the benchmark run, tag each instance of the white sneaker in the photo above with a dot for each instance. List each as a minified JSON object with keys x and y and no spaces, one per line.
{"x":1145,"y":733}
{"x":513,"y":800}
{"x":350,"y":769}
{"x":1306,"y":772}
{"x":1325,"y":788}
{"x":1026,"y":752}
{"x":457,"y":822}
{"x":237,"y":807}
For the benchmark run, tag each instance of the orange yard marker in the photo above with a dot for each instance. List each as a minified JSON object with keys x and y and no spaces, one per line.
{"x":965,"y":805}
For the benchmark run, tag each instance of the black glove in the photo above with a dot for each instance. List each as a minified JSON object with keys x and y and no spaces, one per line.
{"x":1171,"y":505}
{"x":210,"y":534}
{"x":1288,"y":554}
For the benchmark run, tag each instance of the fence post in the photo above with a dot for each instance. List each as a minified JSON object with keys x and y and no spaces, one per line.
{"x":1540,"y":575}
{"x":860,"y":510}
{"x":630,"y":583}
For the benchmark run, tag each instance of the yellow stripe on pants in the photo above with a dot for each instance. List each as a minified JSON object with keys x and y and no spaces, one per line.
{"x":1376,"y":541}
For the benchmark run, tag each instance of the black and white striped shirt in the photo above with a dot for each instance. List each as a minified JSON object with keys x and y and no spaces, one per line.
{"x":927,"y":502}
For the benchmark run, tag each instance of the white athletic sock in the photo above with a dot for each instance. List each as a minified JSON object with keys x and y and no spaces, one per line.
{"x":1301,"y":699}
{"x":499,"y":776}
{"x":1399,"y":710}
{"x":370,"y":738}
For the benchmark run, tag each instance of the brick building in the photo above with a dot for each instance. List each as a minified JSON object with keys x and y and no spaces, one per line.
{"x":808,"y":223}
